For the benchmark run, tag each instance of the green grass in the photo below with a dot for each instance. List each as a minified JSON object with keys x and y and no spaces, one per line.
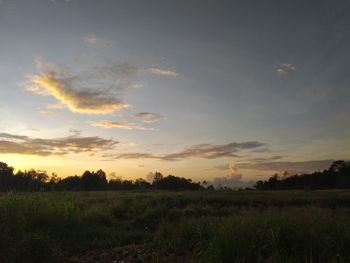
{"x":246,"y":226}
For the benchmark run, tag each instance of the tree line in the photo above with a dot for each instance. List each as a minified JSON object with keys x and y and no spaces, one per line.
{"x":37,"y":180}
{"x":337,"y":176}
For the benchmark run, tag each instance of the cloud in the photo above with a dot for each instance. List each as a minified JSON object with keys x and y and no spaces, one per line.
{"x":119,"y":125}
{"x":162,"y":72}
{"x":203,"y":151}
{"x":285,"y":68}
{"x":55,"y":106}
{"x":149,"y":177}
{"x":148,"y":117}
{"x":133,"y":156}
{"x":70,"y":90}
{"x":233,"y":180}
{"x":270,"y":158}
{"x":48,"y":113}
{"x":223,"y":167}
{"x":226,"y":167}
{"x":91,"y":39}
{"x":212,"y":151}
{"x":292,"y":167}
{"x":96,"y":91}
{"x":75,"y":132}
{"x":19,"y":144}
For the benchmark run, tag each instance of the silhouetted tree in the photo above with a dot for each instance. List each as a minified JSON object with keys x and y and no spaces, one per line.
{"x":171,"y":182}
{"x":157,"y":177}
{"x":141,"y":183}
{"x":94,"y":180}
{"x":37,"y":180}
{"x":6,"y":177}
{"x":337,"y":176}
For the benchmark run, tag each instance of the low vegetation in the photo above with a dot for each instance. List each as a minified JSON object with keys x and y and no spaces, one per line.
{"x":160,"y":226}
{"x":90,"y":219}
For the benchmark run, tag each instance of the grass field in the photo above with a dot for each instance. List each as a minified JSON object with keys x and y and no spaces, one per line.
{"x":203,"y":226}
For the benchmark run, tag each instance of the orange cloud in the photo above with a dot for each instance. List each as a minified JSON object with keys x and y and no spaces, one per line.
{"x":81,"y":101}
{"x":119,"y":125}
{"x":98,"y":91}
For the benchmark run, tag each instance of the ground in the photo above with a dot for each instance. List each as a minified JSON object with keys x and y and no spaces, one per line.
{"x":157,"y":226}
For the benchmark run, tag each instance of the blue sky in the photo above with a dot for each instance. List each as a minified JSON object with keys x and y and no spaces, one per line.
{"x":208,"y":76}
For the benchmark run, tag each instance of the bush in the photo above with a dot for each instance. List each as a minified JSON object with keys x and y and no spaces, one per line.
{"x":35,"y":248}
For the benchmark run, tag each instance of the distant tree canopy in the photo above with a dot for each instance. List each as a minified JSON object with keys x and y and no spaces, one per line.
{"x":37,"y":180}
{"x":175,"y":183}
{"x":336,"y":176}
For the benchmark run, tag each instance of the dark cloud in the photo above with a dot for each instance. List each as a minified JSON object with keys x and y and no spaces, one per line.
{"x":18,"y":144}
{"x":270,"y":158}
{"x":285,"y":68}
{"x":203,"y":151}
{"x":293,"y":167}
{"x":212,"y":151}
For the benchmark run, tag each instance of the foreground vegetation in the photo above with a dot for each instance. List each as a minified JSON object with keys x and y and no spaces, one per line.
{"x":158,"y":226}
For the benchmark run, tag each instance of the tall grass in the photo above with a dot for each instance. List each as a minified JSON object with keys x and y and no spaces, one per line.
{"x":177,"y":226}
{"x":292,"y":235}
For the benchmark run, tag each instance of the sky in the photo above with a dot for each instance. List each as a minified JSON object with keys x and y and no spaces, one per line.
{"x":224,"y":91}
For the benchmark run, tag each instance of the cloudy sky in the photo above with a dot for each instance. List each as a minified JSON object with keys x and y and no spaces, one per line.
{"x":224,"y":91}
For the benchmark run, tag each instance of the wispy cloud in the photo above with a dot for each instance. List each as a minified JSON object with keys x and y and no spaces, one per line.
{"x":97,"y":91}
{"x":162,"y":72}
{"x":55,"y":106}
{"x":285,"y":68}
{"x":290,"y":166}
{"x":268,"y":158}
{"x":19,"y":144}
{"x":94,"y":40}
{"x":212,"y":151}
{"x":148,"y":117}
{"x":133,"y":156}
{"x":119,"y":125}
{"x":48,"y":113}
{"x":203,"y":151}
{"x":91,"y":39}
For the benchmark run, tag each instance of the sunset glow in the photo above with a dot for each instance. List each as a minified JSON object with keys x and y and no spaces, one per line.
{"x":230,"y":94}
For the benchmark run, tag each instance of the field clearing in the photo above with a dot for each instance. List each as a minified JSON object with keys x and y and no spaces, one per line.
{"x":159,"y":226}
